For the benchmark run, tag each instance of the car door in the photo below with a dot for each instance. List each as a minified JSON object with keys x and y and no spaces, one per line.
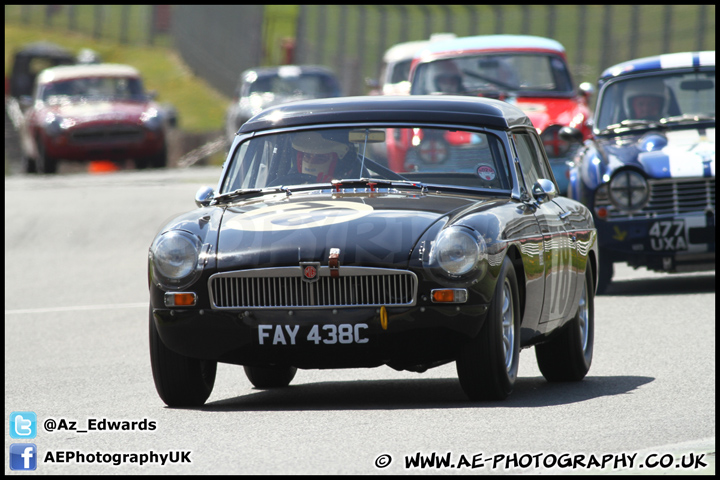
{"x":558,"y":246}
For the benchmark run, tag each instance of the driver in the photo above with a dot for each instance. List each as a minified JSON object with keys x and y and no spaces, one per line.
{"x":448,"y":83}
{"x":446,"y":77}
{"x":317,"y":155}
{"x":645,"y":100}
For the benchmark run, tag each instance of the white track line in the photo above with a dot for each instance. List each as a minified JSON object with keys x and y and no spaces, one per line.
{"x":76,"y":308}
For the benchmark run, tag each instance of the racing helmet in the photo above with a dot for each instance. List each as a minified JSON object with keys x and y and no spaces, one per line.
{"x":318,"y":155}
{"x":446,"y":77}
{"x":646,"y":99}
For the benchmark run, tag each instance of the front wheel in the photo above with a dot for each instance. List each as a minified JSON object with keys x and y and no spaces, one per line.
{"x":270,"y":377}
{"x":567,"y":357}
{"x":488,"y":365}
{"x":45,"y":163}
{"x":180,"y":381}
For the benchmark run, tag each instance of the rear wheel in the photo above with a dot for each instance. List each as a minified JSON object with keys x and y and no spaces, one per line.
{"x":270,"y":377}
{"x":180,"y":381}
{"x":567,"y":357}
{"x":488,"y":365}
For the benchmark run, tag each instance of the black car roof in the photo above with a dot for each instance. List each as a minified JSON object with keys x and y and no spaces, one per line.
{"x":472,"y":111}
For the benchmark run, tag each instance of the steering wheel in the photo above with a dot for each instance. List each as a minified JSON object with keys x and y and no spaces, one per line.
{"x":294,"y":179}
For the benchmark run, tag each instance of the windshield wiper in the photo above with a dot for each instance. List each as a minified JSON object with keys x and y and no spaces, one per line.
{"x":630,"y":124}
{"x":248,"y":192}
{"x":376,"y":183}
{"x":688,"y":118}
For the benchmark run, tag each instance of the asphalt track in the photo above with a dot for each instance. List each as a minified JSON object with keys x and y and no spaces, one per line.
{"x":76,"y":350}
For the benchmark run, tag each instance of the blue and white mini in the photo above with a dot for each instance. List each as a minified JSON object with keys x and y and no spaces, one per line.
{"x":648,"y":172}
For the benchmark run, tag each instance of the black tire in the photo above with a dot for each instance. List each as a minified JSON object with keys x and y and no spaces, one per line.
{"x":44,"y":162}
{"x":487,"y":366}
{"x":180,"y":381}
{"x":28,"y":165}
{"x":567,"y":357}
{"x":156,"y":161}
{"x":270,"y":377}
{"x":605,"y":274}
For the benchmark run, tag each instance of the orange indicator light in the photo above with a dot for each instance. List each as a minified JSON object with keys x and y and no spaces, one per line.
{"x":180,"y":299}
{"x":449,"y":295}
{"x":184,"y":299}
{"x":443,"y":295}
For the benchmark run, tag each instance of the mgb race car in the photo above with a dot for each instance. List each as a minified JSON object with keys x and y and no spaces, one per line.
{"x":648,"y":173}
{"x":309,"y":254}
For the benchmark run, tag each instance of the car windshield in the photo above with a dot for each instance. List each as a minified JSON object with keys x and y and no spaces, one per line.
{"x":517,"y":74}
{"x":305,"y":85}
{"x":662,"y":98}
{"x":437,"y":156}
{"x":94,"y":87}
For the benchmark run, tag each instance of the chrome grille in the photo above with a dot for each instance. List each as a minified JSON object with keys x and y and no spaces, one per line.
{"x":284,"y":287}
{"x":108,"y":134}
{"x":667,"y":197}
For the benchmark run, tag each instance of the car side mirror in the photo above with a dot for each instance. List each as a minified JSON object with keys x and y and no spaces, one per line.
{"x":544,"y":190}
{"x":152,"y":94}
{"x":372,"y":83}
{"x":570,"y":135}
{"x":586,"y":89}
{"x":204,"y":196}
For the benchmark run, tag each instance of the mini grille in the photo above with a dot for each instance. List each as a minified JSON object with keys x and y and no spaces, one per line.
{"x":667,"y":197}
{"x":284,"y":287}
{"x":119,"y":133}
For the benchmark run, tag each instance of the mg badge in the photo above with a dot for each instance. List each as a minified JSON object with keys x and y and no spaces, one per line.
{"x":310,"y":271}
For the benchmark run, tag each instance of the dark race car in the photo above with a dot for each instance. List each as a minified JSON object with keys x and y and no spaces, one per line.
{"x":263,"y":87}
{"x":648,"y":173}
{"x":309,"y":254}
{"x":92,"y":112}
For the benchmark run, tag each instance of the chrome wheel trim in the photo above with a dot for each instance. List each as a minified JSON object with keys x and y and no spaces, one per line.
{"x":508,"y":329}
{"x":583,"y":318}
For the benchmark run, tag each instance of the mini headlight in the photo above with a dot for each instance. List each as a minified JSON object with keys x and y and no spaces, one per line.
{"x":458,"y":250}
{"x":629,"y":190}
{"x":151,"y":119}
{"x":52,"y":125}
{"x":175,"y":257}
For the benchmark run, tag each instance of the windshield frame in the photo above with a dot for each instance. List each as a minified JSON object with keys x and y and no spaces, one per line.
{"x":499,"y":141}
{"x":634,"y":126}
{"x":515,"y":92}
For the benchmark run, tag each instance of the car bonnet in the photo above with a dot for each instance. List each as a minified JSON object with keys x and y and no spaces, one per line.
{"x":370,"y":230}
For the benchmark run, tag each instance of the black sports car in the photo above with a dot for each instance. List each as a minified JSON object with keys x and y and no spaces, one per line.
{"x":309,"y":254}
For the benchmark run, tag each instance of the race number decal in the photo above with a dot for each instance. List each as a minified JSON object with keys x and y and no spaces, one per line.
{"x":294,"y":216}
{"x":668,"y":235}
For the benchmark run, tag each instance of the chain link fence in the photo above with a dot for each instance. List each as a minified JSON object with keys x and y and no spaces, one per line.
{"x":219,"y":41}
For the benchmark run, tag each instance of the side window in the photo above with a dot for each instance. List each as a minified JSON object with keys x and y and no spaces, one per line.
{"x":531,"y":158}
{"x":528,"y":161}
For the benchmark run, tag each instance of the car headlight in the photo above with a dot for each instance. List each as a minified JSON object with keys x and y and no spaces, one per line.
{"x":629,"y":191}
{"x":151,"y":119}
{"x":459,"y":251}
{"x":175,"y":259}
{"x":52,"y":124}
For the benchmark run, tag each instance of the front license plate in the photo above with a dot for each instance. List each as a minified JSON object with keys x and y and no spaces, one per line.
{"x":328,"y":334}
{"x":668,"y":235}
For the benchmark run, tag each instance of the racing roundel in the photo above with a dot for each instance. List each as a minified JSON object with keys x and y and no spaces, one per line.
{"x":433,"y":151}
{"x":299,"y":215}
{"x":486,"y":172}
